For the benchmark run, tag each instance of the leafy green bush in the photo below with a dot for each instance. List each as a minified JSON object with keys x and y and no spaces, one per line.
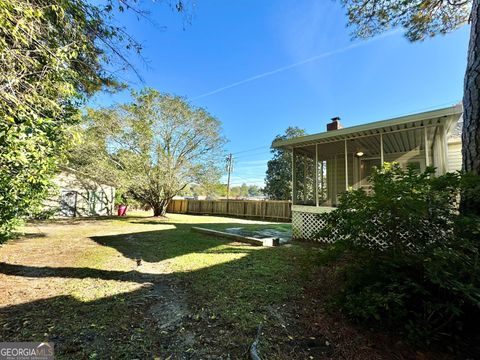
{"x":413,"y":260}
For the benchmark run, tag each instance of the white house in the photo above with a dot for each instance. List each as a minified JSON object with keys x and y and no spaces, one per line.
{"x":328,"y":163}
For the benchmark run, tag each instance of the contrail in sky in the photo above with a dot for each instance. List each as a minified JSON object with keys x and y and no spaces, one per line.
{"x":294,"y":65}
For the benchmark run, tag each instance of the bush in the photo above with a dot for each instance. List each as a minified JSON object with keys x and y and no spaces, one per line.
{"x":413,"y":260}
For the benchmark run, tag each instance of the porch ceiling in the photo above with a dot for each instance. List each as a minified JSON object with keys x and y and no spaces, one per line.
{"x":393,"y":143}
{"x":401,"y":138}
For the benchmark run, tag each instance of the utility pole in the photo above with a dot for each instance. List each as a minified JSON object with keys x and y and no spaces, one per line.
{"x":229,"y":167}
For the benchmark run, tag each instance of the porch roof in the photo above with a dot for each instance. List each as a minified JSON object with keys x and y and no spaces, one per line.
{"x":448,"y":116}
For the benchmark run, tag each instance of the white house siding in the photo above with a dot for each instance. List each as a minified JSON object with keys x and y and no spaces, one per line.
{"x":454,"y":156}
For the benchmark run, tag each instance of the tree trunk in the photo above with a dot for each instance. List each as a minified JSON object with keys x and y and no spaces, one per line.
{"x":160,"y":208}
{"x":471,"y":109}
{"x":158,"y":211}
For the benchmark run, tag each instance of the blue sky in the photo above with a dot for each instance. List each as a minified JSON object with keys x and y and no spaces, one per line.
{"x":261,"y":66}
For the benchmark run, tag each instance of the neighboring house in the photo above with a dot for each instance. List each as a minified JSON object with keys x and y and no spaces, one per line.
{"x":327,"y":164}
{"x":79,"y":196}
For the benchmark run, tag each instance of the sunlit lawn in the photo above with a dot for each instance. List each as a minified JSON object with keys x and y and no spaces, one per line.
{"x":78,"y":283}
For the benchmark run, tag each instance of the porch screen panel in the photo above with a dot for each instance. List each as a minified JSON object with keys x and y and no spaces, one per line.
{"x":364,"y":154}
{"x":304,"y":176}
{"x":331,"y":166}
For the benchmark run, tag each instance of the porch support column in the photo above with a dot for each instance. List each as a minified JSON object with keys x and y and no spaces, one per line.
{"x":427,"y":162}
{"x":322,"y":179}
{"x":346,"y":166}
{"x":316,"y":174}
{"x":335,"y":180}
{"x":445,"y":149}
{"x":304,"y":180}
{"x":381,"y":150}
{"x":294,"y":178}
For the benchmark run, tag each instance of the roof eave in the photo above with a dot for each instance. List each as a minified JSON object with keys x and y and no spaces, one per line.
{"x":438,"y":113}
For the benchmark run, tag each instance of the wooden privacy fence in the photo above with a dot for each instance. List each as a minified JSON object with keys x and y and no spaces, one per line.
{"x":269,"y":209}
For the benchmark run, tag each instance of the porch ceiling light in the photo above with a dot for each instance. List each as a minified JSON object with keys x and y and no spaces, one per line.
{"x":359,"y":153}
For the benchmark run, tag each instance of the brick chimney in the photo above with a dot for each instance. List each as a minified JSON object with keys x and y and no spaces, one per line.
{"x":335,"y":124}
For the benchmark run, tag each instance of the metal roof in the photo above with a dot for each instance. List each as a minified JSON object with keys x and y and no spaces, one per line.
{"x":448,"y":116}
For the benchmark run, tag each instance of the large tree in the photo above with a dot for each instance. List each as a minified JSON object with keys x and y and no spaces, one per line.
{"x":426,"y":18}
{"x":278,"y":179}
{"x":152,"y":147}
{"x":54,"y":55}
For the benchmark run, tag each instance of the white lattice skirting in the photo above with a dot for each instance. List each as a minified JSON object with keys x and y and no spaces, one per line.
{"x":306,"y":222}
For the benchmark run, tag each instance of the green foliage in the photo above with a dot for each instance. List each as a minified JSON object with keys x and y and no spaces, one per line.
{"x":49,"y":61}
{"x":278,"y":179}
{"x":152,"y":148}
{"x":470,"y":195}
{"x":412,"y":260}
{"x":55,"y":54}
{"x":210,"y":189}
{"x":245,"y":190}
{"x":216,"y":189}
{"x":420,"y":18}
{"x":254,"y":190}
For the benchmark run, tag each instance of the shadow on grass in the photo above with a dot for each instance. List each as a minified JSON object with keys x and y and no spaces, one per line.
{"x":90,"y":219}
{"x":32,"y":235}
{"x":233,"y":284}
{"x":74,"y":273}
{"x":158,"y":245}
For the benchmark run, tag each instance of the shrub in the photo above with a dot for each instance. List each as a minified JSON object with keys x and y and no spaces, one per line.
{"x":413,"y":260}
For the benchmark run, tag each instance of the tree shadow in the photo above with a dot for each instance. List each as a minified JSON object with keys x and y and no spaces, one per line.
{"x":85,"y":219}
{"x":32,"y":235}
{"x":163,"y":244}
{"x":75,"y":273}
{"x":110,"y":327}
{"x":159,"y":245}
{"x":24,"y":237}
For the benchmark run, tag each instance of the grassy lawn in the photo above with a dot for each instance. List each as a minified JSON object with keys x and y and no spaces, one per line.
{"x":140,"y":287}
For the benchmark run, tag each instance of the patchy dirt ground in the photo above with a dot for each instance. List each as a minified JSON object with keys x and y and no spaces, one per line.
{"x":141,"y":288}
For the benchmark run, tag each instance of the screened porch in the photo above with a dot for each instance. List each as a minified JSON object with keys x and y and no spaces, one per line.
{"x":323,"y":170}
{"x":326,"y":164}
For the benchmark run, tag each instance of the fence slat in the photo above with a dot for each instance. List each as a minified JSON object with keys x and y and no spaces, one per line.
{"x":265,"y":209}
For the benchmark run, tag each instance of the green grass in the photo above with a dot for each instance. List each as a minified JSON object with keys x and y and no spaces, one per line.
{"x":93,"y":300}
{"x":238,"y":282}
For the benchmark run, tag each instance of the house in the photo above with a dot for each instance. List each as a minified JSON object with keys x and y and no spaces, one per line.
{"x":76,"y":195}
{"x":327,"y":164}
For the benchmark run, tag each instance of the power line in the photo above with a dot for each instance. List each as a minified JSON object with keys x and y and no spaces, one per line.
{"x":252,"y":149}
{"x":242,"y":178}
{"x":249,"y":156}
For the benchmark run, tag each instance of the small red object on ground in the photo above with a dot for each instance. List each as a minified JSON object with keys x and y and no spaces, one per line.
{"x":122,"y":210}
